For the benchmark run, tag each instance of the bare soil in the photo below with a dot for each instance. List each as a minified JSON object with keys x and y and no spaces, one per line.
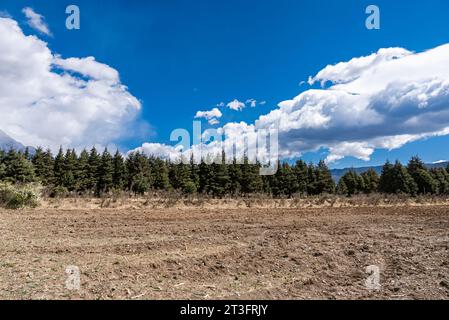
{"x":317,"y":253}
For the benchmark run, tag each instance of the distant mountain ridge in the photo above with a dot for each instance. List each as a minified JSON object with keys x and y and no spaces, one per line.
{"x":8,"y":143}
{"x":338,"y":173}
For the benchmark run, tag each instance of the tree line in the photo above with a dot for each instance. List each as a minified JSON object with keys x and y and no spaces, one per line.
{"x":96,"y":173}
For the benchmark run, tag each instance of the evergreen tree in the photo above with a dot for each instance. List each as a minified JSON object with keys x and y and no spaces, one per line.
{"x":342,"y":189}
{"x":284,"y":182}
{"x":205,"y":177}
{"x":441,"y":178}
{"x":139,"y":173}
{"x":58,"y":168}
{"x":69,"y":170}
{"x":300,"y":171}
{"x":82,"y":173}
{"x":220,"y":182}
{"x":105,"y":173}
{"x":43,"y":166}
{"x":421,"y":176}
{"x":119,"y":176}
{"x":386,"y":178}
{"x":403,"y":181}
{"x":251,"y":181}
{"x":396,"y":179}
{"x":370,"y":181}
{"x":18,"y":169}
{"x":325,"y":182}
{"x":180,"y":176}
{"x":160,"y":175}
{"x":94,"y":164}
{"x":194,"y":172}
{"x":351,"y":182}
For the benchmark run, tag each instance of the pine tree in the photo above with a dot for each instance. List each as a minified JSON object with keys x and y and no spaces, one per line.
{"x":370,"y":181}
{"x":284,"y":182}
{"x":119,"y":176}
{"x":235,"y":176}
{"x":251,"y":180}
{"x":352,"y":182}
{"x":180,"y":176}
{"x":396,"y":179}
{"x":18,"y":169}
{"x":386,"y":179}
{"x":105,"y":173}
{"x":300,"y":171}
{"x":139,"y":173}
{"x":342,"y":189}
{"x":69,"y":169}
{"x":94,"y":164}
{"x":312,"y":180}
{"x":325,"y":182}
{"x":58,"y":169}
{"x":441,"y":178}
{"x":43,"y":166}
{"x":220,"y":182}
{"x":194,"y":172}
{"x":205,"y":177}
{"x":82,"y":173}
{"x":421,"y":176}
{"x":160,"y":175}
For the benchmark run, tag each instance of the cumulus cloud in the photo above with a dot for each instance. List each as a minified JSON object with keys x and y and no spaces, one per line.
{"x":36,"y":21}
{"x":382,"y":101}
{"x":251,"y":102}
{"x":211,"y":116}
{"x":88,"y":67}
{"x":46,"y":100}
{"x":236,"y":105}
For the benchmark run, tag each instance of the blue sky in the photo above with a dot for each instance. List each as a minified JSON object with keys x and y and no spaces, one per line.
{"x":179,"y":57}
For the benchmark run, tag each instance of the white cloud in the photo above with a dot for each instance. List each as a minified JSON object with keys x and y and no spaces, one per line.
{"x":36,"y":21}
{"x":50,"y":101}
{"x":88,"y":67}
{"x":384,"y":100}
{"x":158,"y":150}
{"x":381,"y":101}
{"x":252,"y":103}
{"x":213,"y":121}
{"x":211,"y":116}
{"x":236,"y":105}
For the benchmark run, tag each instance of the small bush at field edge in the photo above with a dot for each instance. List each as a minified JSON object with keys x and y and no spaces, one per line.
{"x":18,"y":197}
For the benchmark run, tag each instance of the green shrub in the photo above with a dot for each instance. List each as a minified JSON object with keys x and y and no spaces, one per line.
{"x":189,"y":188}
{"x":59,"y":192}
{"x":17,"y":197}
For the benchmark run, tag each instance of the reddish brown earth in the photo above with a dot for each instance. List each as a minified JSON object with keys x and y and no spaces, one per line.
{"x":221,"y":254}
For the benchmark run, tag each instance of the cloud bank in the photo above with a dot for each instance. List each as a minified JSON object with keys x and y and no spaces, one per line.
{"x":381,"y":101}
{"x":46,"y":100}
